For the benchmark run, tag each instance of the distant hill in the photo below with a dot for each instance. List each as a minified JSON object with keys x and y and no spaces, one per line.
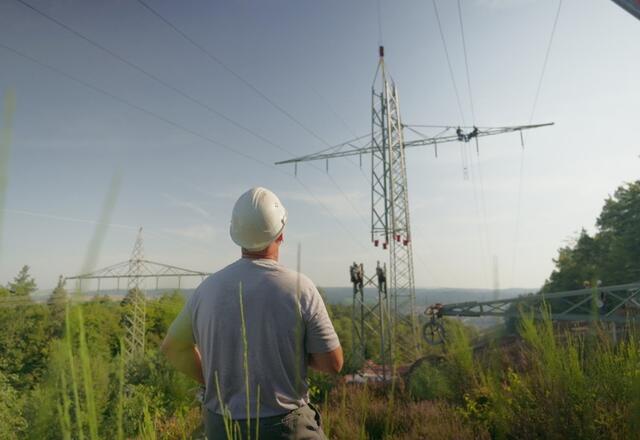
{"x":427,"y":296}
{"x":343,"y":295}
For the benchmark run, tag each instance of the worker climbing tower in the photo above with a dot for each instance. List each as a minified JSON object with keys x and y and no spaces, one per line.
{"x":136,"y":315}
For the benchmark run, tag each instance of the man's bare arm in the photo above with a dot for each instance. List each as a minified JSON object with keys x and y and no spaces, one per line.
{"x":184,"y":357}
{"x":330,"y":362}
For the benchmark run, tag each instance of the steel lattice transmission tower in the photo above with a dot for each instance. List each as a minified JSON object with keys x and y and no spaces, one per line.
{"x":135,"y":318}
{"x":135,"y":272}
{"x":390,"y":223}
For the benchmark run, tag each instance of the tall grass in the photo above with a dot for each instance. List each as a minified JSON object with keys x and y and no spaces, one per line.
{"x":87,"y":381}
{"x":549,"y":383}
{"x":245,"y":362}
{"x":147,"y":426}
{"x":566,"y":385}
{"x":120,"y":404}
{"x":63,"y":410}
{"x":79,"y":413}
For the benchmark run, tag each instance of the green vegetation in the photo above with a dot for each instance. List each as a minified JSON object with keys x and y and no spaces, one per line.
{"x":62,"y":375}
{"x":75,"y":386}
{"x":538,"y":387}
{"x":611,"y":255}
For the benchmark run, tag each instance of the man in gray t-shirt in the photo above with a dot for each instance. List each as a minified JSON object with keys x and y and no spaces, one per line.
{"x":286,"y":329}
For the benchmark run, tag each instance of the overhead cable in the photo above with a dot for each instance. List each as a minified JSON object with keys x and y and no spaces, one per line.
{"x":446,"y":53}
{"x":175,"y":125}
{"x":466,"y":62}
{"x":171,"y":87}
{"x":546,"y":60}
{"x":133,"y":105}
{"x":251,"y":86}
{"x":521,"y":171}
{"x":481,"y":206}
{"x":232,"y":72}
{"x":154,"y":77}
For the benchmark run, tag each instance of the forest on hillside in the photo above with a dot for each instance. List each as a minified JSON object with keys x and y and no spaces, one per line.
{"x":62,"y":374}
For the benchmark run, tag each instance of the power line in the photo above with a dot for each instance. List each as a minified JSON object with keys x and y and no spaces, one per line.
{"x":328,"y":211}
{"x":348,"y":199}
{"x":178,"y":91}
{"x":255,"y":89}
{"x":175,"y":125}
{"x":546,"y":59}
{"x":521,"y":171}
{"x":466,"y":61}
{"x":133,"y":105}
{"x":171,"y":87}
{"x":446,"y":52}
{"x":344,"y":123}
{"x":486,"y":237}
{"x":481,"y":208}
{"x":232,"y":72}
{"x":154,"y":77}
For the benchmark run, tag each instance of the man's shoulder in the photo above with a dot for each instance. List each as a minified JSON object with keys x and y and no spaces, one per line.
{"x":216,"y":277}
{"x":273,"y":272}
{"x":298,"y":277}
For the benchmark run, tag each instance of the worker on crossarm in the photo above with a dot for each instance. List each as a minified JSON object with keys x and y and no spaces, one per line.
{"x":286,"y":330}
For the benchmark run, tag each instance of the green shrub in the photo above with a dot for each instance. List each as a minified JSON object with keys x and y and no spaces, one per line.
{"x":12,"y":422}
{"x":429,"y":382}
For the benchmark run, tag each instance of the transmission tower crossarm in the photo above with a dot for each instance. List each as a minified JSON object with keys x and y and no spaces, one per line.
{"x":467,"y":137}
{"x":334,"y":151}
{"x":458,"y":135}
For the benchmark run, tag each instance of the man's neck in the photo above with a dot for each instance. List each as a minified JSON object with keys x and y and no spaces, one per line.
{"x":260,"y":255}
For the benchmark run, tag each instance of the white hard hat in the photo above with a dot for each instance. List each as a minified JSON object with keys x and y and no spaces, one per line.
{"x":258,"y":218}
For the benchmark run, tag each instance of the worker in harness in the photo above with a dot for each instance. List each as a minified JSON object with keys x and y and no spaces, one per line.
{"x":382,"y":278}
{"x":353,"y":273}
{"x":286,"y":329}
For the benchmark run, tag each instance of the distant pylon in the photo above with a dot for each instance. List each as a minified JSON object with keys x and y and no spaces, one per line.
{"x":135,"y":318}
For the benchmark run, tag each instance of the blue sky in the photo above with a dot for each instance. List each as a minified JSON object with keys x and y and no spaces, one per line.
{"x":316,"y":60}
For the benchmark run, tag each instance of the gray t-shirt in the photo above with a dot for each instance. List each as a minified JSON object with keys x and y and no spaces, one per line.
{"x":286,"y":320}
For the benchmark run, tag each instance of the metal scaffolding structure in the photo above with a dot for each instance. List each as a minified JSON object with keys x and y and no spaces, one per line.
{"x":136,"y":271}
{"x":618,"y":304}
{"x":390,"y":222}
{"x":371,"y":319}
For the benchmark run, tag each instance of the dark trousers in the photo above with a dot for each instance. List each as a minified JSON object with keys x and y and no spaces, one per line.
{"x":303,"y":423}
